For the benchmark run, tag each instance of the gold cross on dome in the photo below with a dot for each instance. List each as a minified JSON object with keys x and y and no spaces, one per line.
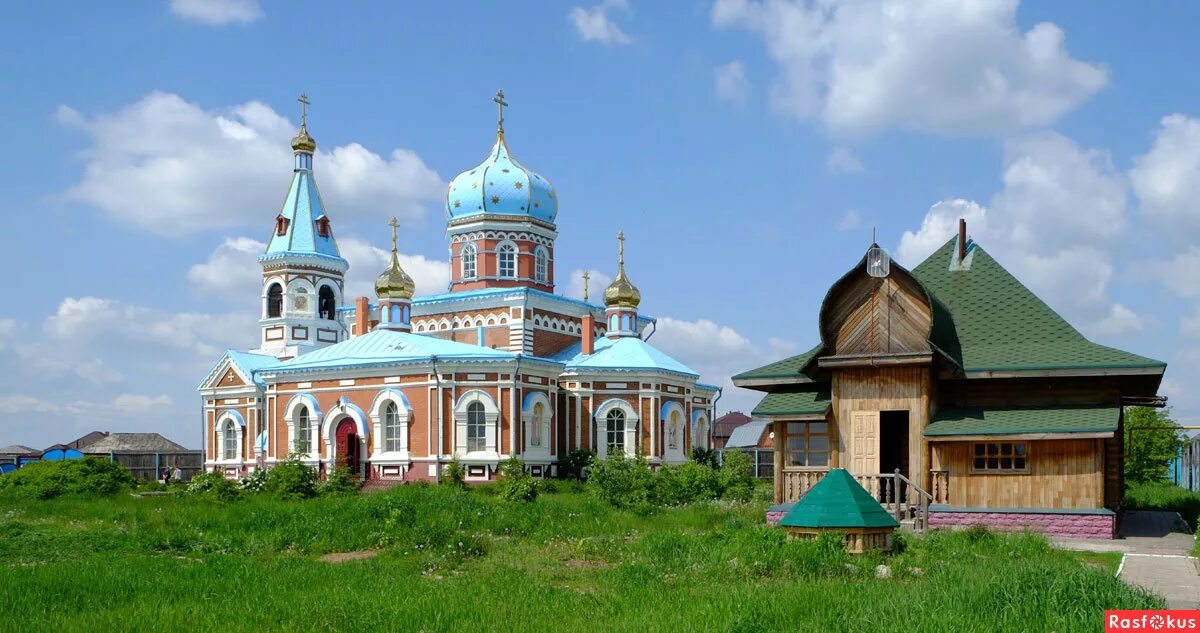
{"x":586,"y":277}
{"x":500,"y":102}
{"x":393,"y":224}
{"x":303,"y":109}
{"x":621,"y":248}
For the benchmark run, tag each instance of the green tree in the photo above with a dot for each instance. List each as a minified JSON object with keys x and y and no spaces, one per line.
{"x":1152,"y":440}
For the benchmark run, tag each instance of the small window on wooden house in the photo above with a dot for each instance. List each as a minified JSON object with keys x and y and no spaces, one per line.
{"x":281,"y":225}
{"x":323,"y":226}
{"x":999,"y":457}
{"x":807,"y":444}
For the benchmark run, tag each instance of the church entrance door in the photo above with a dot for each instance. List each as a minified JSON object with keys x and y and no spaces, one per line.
{"x":347,"y":445}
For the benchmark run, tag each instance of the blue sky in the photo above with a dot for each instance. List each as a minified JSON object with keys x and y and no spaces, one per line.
{"x":746,"y":148}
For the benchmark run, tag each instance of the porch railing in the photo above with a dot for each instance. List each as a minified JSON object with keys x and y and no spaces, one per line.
{"x":894,"y":491}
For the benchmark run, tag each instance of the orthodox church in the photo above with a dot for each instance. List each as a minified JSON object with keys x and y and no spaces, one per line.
{"x":496,"y":366}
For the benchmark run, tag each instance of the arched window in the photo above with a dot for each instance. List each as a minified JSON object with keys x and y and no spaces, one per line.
{"x":468,"y":261}
{"x":476,"y":428}
{"x":673,"y":428}
{"x":615,"y":423}
{"x":302,"y":443}
{"x":274,"y":301}
{"x":327,"y":303}
{"x":541,"y":265}
{"x":507,"y":254}
{"x":535,"y":431}
{"x":391,"y":427}
{"x":700,"y":437}
{"x":230,"y":448}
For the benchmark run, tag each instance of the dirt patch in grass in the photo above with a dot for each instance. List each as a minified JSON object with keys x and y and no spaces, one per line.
{"x":575,"y":563}
{"x":341,"y":557}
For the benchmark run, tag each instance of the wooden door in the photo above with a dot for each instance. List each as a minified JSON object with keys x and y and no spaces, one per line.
{"x":347,"y":445}
{"x":864,"y":446}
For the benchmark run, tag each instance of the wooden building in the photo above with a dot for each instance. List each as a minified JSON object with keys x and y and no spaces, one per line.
{"x":954,"y":393}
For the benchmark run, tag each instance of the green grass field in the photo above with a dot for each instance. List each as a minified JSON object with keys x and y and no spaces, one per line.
{"x":453,"y":560}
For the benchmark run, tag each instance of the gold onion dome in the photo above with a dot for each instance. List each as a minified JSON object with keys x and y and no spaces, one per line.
{"x":621,"y":293}
{"x":302,"y":142}
{"x":394,"y":283}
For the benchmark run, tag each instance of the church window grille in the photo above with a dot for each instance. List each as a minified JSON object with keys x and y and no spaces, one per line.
{"x":508,"y":261}
{"x":541,"y":265}
{"x":615,"y":428}
{"x":476,"y":428}
{"x":327,"y":303}
{"x":468,"y":261}
{"x":274,"y":301}
{"x":391,"y":427}
{"x":303,"y":445}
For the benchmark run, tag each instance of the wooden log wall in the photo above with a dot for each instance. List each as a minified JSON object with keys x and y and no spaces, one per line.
{"x":1062,"y":474}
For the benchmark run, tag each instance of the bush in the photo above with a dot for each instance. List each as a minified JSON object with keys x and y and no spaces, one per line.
{"x":706,"y":456}
{"x":575,"y":463}
{"x":90,"y":476}
{"x":214,"y":487}
{"x":737,"y":476}
{"x":291,"y":479}
{"x":340,"y":482}
{"x":455,"y":474}
{"x":256,"y":482}
{"x":515,"y":483}
{"x":623,"y":482}
{"x":1164,"y":496}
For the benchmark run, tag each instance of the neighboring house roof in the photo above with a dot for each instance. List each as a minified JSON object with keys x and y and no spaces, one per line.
{"x":387,"y":347}
{"x":623,"y":354}
{"x":87,"y":439}
{"x":1017,"y":420}
{"x":793,"y":403}
{"x":133,"y":443}
{"x":17,"y":449}
{"x":747,"y":435}
{"x":725,"y":424}
{"x":984,"y":319}
{"x":838,"y":501}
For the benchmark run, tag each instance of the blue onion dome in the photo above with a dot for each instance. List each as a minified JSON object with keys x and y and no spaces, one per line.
{"x":501,"y":186}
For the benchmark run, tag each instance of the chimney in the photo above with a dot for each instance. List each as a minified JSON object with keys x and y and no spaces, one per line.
{"x":362,"y":309}
{"x":588,"y":325}
{"x":962,"y":239}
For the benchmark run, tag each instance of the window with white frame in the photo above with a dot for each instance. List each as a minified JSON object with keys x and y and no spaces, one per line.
{"x":468,"y":261}
{"x":302,"y":443}
{"x":391,"y":427}
{"x":541,"y":265}
{"x":230,"y":448}
{"x":507,"y":254}
{"x":476,"y":428}
{"x":615,"y":430}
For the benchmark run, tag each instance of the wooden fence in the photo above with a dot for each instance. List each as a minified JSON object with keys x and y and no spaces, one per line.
{"x":151,"y":465}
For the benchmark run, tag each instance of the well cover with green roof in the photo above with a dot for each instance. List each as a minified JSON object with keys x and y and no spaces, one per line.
{"x":838,"y":501}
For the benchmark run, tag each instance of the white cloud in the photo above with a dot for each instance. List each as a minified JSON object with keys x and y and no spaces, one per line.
{"x":729,"y":81}
{"x":367,"y":261}
{"x":850,"y":221}
{"x":135,"y":403}
{"x":595,"y":24}
{"x":232,"y":270}
{"x":1179,"y":274}
{"x":597,"y":282}
{"x":1035,"y":226}
{"x":168,"y":166}
{"x":217,"y":12}
{"x":1167,"y":178}
{"x":724,"y":353}
{"x":25,"y":403}
{"x":860,"y":66}
{"x":111,"y":322}
{"x":843,"y":160}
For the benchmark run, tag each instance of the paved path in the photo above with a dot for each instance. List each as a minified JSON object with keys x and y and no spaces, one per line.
{"x":1157,"y":548}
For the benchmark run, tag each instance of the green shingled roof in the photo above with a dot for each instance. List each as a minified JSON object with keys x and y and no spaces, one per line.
{"x":837,"y":501}
{"x":1000,"y":325}
{"x":798,"y":403}
{"x":786,"y":368}
{"x":1009,"y":421}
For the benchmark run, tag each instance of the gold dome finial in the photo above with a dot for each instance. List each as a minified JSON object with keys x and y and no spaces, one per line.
{"x":394,"y":283}
{"x":302,"y":142}
{"x":621,"y":293}
{"x":500,"y":102}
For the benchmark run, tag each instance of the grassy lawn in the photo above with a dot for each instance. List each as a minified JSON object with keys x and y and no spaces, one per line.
{"x":451,"y":560}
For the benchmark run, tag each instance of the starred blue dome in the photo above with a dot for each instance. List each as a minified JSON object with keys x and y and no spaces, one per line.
{"x":501,"y":186}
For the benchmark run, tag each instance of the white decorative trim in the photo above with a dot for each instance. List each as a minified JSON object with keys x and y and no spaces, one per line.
{"x":677,"y":454}
{"x":404,"y":411}
{"x":532,"y":399}
{"x":632,"y":421}
{"x":491,"y":416}
{"x":314,"y":420}
{"x":230,"y":418}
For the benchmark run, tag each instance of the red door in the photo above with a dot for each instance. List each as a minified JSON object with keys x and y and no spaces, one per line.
{"x":347,"y":445}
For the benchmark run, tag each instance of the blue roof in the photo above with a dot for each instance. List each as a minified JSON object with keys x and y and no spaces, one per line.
{"x":303,"y":208}
{"x":501,"y":186}
{"x":248,"y":364}
{"x":623,"y":354}
{"x":388,"y":347}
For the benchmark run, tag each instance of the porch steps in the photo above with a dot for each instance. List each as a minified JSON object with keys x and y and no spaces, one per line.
{"x":380,"y":485}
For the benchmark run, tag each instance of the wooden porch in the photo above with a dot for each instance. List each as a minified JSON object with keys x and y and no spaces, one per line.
{"x":895,"y":492}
